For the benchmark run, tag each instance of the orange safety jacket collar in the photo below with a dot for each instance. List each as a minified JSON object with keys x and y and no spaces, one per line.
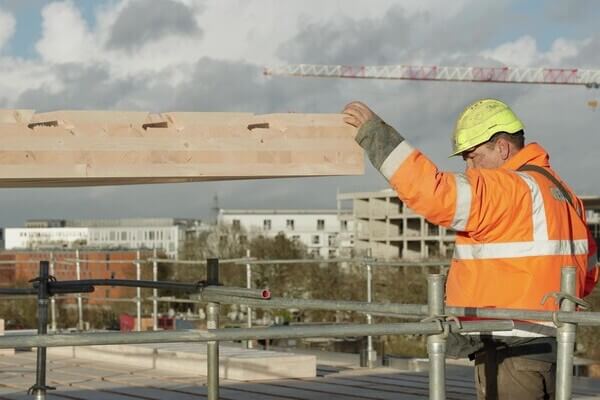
{"x":532,"y":154}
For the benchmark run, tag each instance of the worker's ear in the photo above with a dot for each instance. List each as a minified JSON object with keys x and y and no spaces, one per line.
{"x":503,"y":147}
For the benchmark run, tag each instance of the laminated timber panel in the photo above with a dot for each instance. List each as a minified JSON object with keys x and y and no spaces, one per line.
{"x":86,"y":148}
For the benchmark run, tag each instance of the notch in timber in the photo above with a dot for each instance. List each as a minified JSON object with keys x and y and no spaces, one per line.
{"x":160,"y":124}
{"x":50,"y":123}
{"x":157,"y":121}
{"x":258,"y":125}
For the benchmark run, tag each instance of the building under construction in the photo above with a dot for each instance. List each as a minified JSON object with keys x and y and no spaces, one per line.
{"x":385,"y":227}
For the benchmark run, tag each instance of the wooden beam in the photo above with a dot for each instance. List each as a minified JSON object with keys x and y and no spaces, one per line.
{"x":84,"y":148}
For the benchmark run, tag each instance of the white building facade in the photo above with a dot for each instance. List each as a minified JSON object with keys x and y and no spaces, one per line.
{"x":321,"y":231}
{"x":166,"y":234}
{"x":40,"y":238}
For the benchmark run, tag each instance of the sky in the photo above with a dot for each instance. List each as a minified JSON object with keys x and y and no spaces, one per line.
{"x":208,"y":55}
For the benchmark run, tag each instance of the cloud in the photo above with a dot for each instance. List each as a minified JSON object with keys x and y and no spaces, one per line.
{"x":82,"y":86}
{"x":7,"y":27}
{"x":589,"y":54}
{"x":524,"y":52}
{"x":577,"y":11}
{"x":65,"y":35}
{"x":17,"y":5}
{"x":399,"y":36}
{"x":371,"y":41}
{"x":140,"y":22}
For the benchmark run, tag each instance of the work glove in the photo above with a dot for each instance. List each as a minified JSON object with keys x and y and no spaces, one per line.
{"x":377,"y":138}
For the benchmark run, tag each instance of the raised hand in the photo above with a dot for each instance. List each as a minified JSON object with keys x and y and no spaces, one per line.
{"x":357,"y":114}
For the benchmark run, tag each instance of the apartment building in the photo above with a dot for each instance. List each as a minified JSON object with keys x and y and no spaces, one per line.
{"x":321,"y":231}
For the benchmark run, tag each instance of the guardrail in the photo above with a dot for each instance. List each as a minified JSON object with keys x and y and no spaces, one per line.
{"x":367,"y":263}
{"x":438,"y":323}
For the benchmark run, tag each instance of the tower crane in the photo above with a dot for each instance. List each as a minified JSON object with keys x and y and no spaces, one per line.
{"x":504,"y":74}
{"x":546,"y":76}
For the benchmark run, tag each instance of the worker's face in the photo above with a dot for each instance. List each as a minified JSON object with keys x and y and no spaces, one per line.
{"x":486,"y":155}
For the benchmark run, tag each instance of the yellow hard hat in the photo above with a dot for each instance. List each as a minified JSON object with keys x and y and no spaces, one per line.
{"x":480,"y":121}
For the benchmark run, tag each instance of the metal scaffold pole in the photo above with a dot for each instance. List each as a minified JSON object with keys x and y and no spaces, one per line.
{"x":565,"y":337}
{"x":40,"y":388}
{"x":154,"y":291}
{"x":237,"y":334}
{"x":79,"y":298}
{"x":212,"y":322}
{"x":52,"y":299}
{"x":138,"y":300}
{"x":436,"y":344}
{"x":371,"y":355}
{"x":249,"y":343}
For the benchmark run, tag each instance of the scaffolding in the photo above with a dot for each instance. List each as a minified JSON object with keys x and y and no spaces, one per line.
{"x":437,"y":322}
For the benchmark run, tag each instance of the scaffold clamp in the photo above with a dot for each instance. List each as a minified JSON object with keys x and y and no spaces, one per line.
{"x":559,"y":297}
{"x":442,"y":321}
{"x":39,"y":388}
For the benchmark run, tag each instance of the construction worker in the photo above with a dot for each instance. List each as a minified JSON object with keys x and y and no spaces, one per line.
{"x":517,"y":224}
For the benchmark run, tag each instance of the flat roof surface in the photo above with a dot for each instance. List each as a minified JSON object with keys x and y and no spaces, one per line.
{"x":278,"y":211}
{"x":90,"y":380}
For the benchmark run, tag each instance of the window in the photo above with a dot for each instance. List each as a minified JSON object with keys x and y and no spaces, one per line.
{"x":236,"y":224}
{"x":267,"y":224}
{"x":331,"y":241}
{"x":296,"y":238}
{"x":320,"y":224}
{"x":343,"y":226}
{"x":289,"y":224}
{"x":123,"y":236}
{"x":151,"y":235}
{"x":316,"y":239}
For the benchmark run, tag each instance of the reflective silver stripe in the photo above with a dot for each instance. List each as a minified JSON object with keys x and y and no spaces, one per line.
{"x":520,"y":249}
{"x":540,"y":225}
{"x":391,"y":164}
{"x":463,"y":202}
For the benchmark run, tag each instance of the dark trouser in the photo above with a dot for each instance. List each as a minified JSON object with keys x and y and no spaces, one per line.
{"x":500,"y":375}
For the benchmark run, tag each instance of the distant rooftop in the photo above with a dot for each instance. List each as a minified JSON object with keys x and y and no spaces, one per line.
{"x":278,"y":211}
{"x":111,"y":223}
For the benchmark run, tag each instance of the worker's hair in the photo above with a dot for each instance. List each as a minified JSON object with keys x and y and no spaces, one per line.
{"x":517,"y":138}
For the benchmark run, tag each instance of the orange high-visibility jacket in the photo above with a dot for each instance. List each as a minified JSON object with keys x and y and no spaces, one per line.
{"x":515,"y":230}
